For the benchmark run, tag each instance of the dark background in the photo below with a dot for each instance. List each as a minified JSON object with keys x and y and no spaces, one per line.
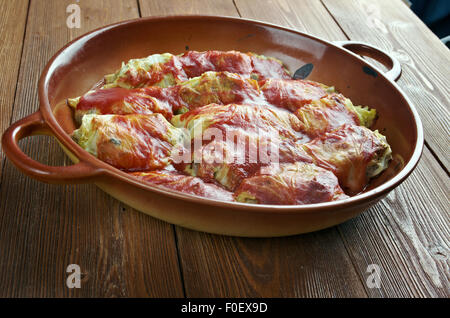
{"x":435,"y":14}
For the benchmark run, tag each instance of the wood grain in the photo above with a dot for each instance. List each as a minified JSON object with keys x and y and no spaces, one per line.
{"x":389,"y":234}
{"x":12,"y":28}
{"x":407,"y":235}
{"x":171,"y":7}
{"x":425,"y":60}
{"x":44,"y":228}
{"x":306,"y":16}
{"x":297,"y":266}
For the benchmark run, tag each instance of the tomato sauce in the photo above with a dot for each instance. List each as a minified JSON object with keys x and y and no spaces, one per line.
{"x":187,"y":184}
{"x":291,"y":94}
{"x":141,"y":77}
{"x":319,"y":144}
{"x":297,"y":183}
{"x":193,"y":64}
{"x":324,"y":115}
{"x":121,"y":101}
{"x":134,"y":143}
{"x":346,"y":152}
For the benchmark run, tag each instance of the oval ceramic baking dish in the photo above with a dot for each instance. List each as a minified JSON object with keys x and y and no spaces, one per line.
{"x":84,"y":61}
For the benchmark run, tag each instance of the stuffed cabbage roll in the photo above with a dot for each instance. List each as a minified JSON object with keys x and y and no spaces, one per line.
{"x":297,"y":183}
{"x":121,"y":101}
{"x":248,"y":64}
{"x":330,"y":112}
{"x":317,"y":105}
{"x":131,"y":142}
{"x":354,"y":153}
{"x":253,"y":119}
{"x":161,"y":70}
{"x":210,"y":87}
{"x":229,"y":162}
{"x":292,"y":94}
{"x":173,"y":180}
{"x":166,"y":69}
{"x":238,"y":139}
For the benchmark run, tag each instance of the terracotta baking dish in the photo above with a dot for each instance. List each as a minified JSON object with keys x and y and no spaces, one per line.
{"x":84,"y":61}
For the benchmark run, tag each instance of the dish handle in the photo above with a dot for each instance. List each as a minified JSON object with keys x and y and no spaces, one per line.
{"x":31,"y":125}
{"x":365,"y":49}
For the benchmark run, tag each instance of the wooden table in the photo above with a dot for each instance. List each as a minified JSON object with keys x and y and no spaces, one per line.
{"x":122,"y":252}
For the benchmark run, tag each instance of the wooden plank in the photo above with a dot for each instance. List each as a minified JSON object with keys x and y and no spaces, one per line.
{"x":389,"y":234}
{"x":297,"y":266}
{"x":407,"y":235}
{"x":306,"y":16}
{"x":171,"y":7}
{"x":392,"y":26}
{"x":12,"y":28}
{"x":236,"y":267}
{"x":44,"y":228}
